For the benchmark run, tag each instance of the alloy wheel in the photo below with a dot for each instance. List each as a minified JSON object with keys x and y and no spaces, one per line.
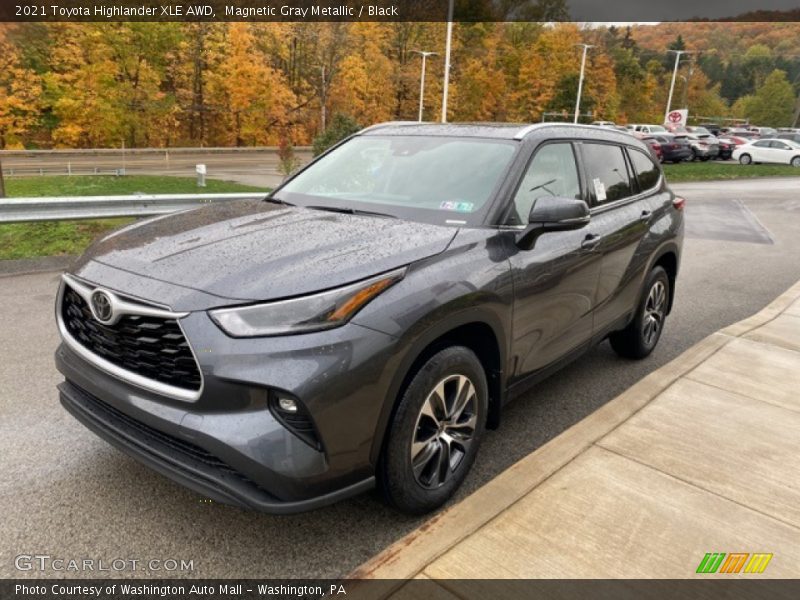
{"x":444,"y":430}
{"x":796,"y":161}
{"x":654,"y":312}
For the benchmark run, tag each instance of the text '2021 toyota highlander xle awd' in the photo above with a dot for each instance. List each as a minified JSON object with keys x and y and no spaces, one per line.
{"x":365,"y":323}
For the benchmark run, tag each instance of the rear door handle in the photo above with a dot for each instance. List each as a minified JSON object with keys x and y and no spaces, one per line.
{"x":645,"y":216}
{"x":590,"y":241}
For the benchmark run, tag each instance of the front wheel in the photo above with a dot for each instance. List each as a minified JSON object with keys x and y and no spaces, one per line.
{"x":640,"y":337}
{"x":435,"y":433}
{"x":745,"y":159}
{"x":796,"y":161}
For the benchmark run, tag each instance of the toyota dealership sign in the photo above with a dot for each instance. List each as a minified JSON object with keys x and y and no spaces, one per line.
{"x":677,"y":117}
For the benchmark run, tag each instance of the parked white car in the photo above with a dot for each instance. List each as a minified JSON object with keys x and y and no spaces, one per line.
{"x":784,"y":152}
{"x":646,"y":128}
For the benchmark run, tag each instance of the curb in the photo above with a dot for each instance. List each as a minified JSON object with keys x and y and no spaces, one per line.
{"x":407,"y":557}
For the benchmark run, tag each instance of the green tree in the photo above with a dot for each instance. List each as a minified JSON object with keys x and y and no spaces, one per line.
{"x":758,"y":63}
{"x":773,"y":103}
{"x":339,"y":128}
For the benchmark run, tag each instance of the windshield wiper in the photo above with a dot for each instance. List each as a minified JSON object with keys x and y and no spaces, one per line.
{"x":544,"y":186}
{"x":275,"y":200}
{"x":352,"y":211}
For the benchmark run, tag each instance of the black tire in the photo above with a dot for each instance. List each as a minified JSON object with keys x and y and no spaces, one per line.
{"x":795,"y":162}
{"x":745,"y":159}
{"x":638,"y":339}
{"x":420,"y":490}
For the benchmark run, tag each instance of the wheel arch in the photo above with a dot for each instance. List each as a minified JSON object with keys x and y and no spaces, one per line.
{"x":481,"y":332}
{"x":667,"y":258}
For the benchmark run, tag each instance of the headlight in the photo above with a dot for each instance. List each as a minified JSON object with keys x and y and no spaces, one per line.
{"x":308,"y":313}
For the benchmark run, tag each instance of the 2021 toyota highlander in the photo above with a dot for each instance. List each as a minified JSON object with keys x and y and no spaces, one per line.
{"x":366,"y":322}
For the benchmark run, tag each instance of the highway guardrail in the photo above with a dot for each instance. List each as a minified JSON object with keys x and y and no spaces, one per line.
{"x":23,"y":210}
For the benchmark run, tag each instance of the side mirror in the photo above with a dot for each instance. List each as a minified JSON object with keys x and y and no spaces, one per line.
{"x":553,"y":213}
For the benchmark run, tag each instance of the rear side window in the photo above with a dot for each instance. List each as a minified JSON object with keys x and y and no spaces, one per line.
{"x":607,"y":172}
{"x":646,"y":170}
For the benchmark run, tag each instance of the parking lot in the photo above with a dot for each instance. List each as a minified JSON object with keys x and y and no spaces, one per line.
{"x":70,"y":495}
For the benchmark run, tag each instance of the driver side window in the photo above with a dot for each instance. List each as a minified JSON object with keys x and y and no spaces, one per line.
{"x":552,"y":172}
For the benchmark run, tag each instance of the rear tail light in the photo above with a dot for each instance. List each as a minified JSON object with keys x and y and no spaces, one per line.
{"x":678,"y":202}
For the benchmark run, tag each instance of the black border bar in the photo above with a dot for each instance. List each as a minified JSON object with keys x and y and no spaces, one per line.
{"x":620,"y":11}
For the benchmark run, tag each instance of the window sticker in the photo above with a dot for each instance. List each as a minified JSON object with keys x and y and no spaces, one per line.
{"x":463,"y":207}
{"x":599,"y":190}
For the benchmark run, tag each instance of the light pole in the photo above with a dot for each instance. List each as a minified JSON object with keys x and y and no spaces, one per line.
{"x":447,"y":60}
{"x":424,"y":54}
{"x":580,"y":81}
{"x":678,"y":54}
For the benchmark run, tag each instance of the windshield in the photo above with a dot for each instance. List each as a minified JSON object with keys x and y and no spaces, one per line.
{"x":657,"y":129}
{"x":442,"y":180}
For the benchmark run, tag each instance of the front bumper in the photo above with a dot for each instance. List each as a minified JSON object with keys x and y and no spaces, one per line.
{"x":183,"y":462}
{"x":228,"y":444}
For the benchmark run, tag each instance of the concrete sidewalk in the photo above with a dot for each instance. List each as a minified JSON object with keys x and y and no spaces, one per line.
{"x":703,"y":455}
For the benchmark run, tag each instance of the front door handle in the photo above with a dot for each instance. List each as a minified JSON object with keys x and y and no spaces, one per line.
{"x":645,"y":216}
{"x":590,"y":241}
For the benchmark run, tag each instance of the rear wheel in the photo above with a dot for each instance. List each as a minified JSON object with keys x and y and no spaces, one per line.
{"x":745,"y":159}
{"x":434,"y":436}
{"x":640,"y":337}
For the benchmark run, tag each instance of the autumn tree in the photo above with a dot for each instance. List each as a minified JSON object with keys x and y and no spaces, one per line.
{"x":20,"y":92}
{"x":199,"y":53}
{"x":364,"y":80}
{"x":545,"y":65}
{"x":703,"y":97}
{"x":480,"y":81}
{"x":253,"y":97}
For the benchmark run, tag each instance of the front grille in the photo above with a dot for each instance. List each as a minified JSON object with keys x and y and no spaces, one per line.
{"x":152,"y":347}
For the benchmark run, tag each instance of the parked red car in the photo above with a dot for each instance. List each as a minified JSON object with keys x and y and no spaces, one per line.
{"x":653,"y":143}
{"x":655,"y":147}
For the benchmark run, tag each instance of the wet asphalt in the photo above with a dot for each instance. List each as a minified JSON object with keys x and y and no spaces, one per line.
{"x":67,"y":494}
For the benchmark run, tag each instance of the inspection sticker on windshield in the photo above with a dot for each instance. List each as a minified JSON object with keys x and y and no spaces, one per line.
{"x":457,"y":206}
{"x":599,"y":190}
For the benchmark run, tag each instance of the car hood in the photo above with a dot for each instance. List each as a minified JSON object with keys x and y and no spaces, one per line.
{"x":255,"y":250}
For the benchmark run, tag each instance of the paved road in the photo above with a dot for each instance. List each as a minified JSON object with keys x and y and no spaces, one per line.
{"x":68,"y":494}
{"x":248,"y":166}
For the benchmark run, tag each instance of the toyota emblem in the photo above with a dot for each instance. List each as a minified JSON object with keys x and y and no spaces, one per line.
{"x":101,"y":306}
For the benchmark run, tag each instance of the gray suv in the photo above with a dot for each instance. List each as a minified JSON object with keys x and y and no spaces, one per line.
{"x":366,"y":322}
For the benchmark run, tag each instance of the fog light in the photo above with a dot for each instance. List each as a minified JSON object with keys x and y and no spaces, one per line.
{"x":287,"y":404}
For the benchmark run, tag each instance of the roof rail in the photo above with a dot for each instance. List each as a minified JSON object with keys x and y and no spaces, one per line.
{"x":526,"y":130}
{"x":388,"y":124}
